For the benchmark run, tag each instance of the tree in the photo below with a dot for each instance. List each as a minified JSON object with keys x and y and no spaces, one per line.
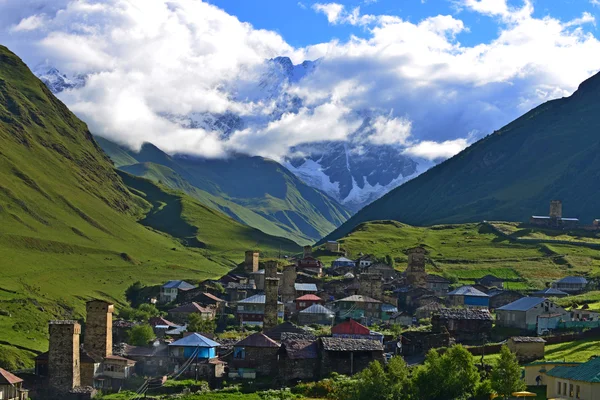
{"x":506,"y":375}
{"x":398,"y":379}
{"x":389,"y":260}
{"x":198,"y":324}
{"x":133,"y":293}
{"x":140,"y":335}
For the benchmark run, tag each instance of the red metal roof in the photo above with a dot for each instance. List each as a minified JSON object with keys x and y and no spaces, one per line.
{"x":309,"y":297}
{"x":350,"y":327}
{"x":8,"y":378}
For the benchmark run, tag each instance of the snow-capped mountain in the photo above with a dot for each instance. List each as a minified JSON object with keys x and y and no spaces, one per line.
{"x":355,"y":172}
{"x":57,"y":81}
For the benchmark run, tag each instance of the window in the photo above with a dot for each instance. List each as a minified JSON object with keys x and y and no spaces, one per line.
{"x":577,"y":391}
{"x":239,"y":353}
{"x":558,"y":384}
{"x":565,"y":388}
{"x":571,"y":390}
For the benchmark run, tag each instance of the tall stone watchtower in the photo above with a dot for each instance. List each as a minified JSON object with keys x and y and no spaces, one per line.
{"x":63,"y":356}
{"x":251,"y":261}
{"x":371,"y":285}
{"x":271,"y":294}
{"x":288,"y":291}
{"x":415,"y":272}
{"x":555,"y":209}
{"x":97,"y":341}
{"x":308,"y":251}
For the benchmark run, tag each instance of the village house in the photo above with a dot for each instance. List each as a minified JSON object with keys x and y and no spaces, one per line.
{"x":153,"y":360}
{"x":574,"y":382}
{"x":204,"y":352}
{"x":182,"y":313}
{"x":555,"y":220}
{"x":387,"y":310}
{"x":316,"y":314}
{"x":306,"y":301}
{"x":571,"y":284}
{"x":410,"y":298}
{"x":115,"y":370}
{"x":254,"y":356}
{"x":350,"y":329}
{"x":358,"y":307}
{"x":11,"y":387}
{"x":258,"y":277}
{"x":251,"y":311}
{"x":298,"y":357}
{"x":332,"y":246}
{"x":385,"y":271}
{"x":468,"y":296}
{"x":305,"y":288}
{"x":238,"y":291}
{"x":420,"y":342}
{"x":277,"y":332}
{"x":524,"y":313}
{"x":342,"y":262}
{"x":549,"y":292}
{"x":121,"y":329}
{"x":402,"y":318}
{"x":584,"y":315}
{"x":365,"y":261}
{"x":500,"y":297}
{"x":348,"y":356}
{"x":427,"y":310}
{"x":170,"y":290}
{"x":527,"y":348}
{"x":491,"y":281}
{"x":310,"y":265}
{"x":205,"y":299}
{"x":438,"y":284}
{"x":463,"y":324}
{"x":538,"y":369}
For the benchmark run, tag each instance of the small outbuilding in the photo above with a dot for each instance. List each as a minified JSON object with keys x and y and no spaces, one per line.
{"x":527,"y":348}
{"x":316,"y":314}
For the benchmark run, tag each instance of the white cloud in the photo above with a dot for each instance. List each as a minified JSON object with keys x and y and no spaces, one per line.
{"x":336,"y":14}
{"x":29,"y":24}
{"x":435,"y":151}
{"x":390,"y":131}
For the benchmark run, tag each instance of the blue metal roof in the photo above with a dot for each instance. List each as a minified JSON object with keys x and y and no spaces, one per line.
{"x":573,"y":279}
{"x":317,"y":309}
{"x":551,"y":292}
{"x":195,"y":340}
{"x":523,"y":304}
{"x":256,"y":299}
{"x":305,"y":287}
{"x":389,"y":308}
{"x":467,"y":291}
{"x":178,"y":285}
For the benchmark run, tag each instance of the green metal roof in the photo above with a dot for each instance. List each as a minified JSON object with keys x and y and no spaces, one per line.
{"x":586,"y":372}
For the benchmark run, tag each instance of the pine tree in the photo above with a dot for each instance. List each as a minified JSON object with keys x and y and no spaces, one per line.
{"x":506,"y":376}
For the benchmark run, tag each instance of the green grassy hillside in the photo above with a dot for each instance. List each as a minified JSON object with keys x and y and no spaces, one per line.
{"x":470,"y":251}
{"x":69,"y":224}
{"x":256,"y":191}
{"x":552,"y":152}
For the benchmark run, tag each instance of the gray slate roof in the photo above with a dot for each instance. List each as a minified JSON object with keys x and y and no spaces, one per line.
{"x":523,"y":304}
{"x":527,"y":339}
{"x":467,"y":291}
{"x":343,"y":344}
{"x":360,"y":299}
{"x":305,"y":287}
{"x":256,"y":299}
{"x":464,"y":314}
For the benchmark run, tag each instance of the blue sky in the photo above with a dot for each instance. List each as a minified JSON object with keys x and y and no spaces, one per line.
{"x":300,"y":26}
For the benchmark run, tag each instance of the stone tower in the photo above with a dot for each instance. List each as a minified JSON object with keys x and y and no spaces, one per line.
{"x":97,"y":340}
{"x":555,"y":209}
{"x":415,"y":272}
{"x":251,"y":261}
{"x":307,"y":251}
{"x":371,"y":285}
{"x":271,"y":294}
{"x":63,"y":356}
{"x":288,"y":291}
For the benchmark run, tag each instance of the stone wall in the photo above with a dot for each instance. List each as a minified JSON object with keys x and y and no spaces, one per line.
{"x":271,"y":291}
{"x":288,"y":292}
{"x":63,"y":355}
{"x":347,"y":362}
{"x":251,"y":261}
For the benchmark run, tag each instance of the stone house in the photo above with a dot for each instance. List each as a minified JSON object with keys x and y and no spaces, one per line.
{"x":571,"y":284}
{"x":298,"y":357}
{"x":437,"y":284}
{"x":181,"y":314}
{"x":387,"y":272}
{"x":491,"y":281}
{"x":500,"y":297}
{"x":305,"y":288}
{"x":332,"y":246}
{"x":408,"y":297}
{"x":427,"y":310}
{"x":238,"y":291}
{"x":549,"y":292}
{"x":316,"y":314}
{"x":251,"y":311}
{"x":463,"y":324}
{"x":205,"y":299}
{"x":575,"y":382}
{"x":310,"y":265}
{"x":204,"y":352}
{"x":402,"y":318}
{"x":365,"y":261}
{"x":170,"y":290}
{"x":307,"y":300}
{"x":468,"y":296}
{"x":285,"y":328}
{"x":253,"y":356}
{"x":151,"y":360}
{"x":342,"y":262}
{"x":524,"y":313}
{"x":527,"y":348}
{"x":358,"y":307}
{"x":420,"y":342}
{"x":348,"y":356}
{"x":11,"y":387}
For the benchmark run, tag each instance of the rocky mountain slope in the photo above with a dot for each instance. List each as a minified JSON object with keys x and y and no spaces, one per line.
{"x":552,"y":152}
{"x":254,"y":190}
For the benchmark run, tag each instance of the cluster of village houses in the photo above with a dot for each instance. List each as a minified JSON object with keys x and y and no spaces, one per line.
{"x":285,"y":305}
